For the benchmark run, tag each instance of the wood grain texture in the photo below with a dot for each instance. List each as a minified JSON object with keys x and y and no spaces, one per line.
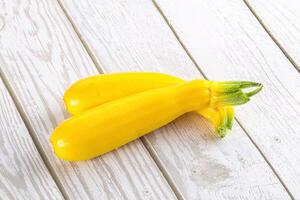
{"x":23,"y":174}
{"x":132,"y":36}
{"x":281,"y":19}
{"x":40,"y":56}
{"x":227,"y":42}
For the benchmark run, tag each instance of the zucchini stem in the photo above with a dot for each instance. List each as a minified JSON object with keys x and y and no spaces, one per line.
{"x":231,"y":92}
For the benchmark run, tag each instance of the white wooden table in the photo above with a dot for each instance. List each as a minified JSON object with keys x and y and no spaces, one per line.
{"x":46,"y":45}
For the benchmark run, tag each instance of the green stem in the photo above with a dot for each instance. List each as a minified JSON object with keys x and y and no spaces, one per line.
{"x":231,"y":92}
{"x":226,"y":122}
{"x":257,"y":90}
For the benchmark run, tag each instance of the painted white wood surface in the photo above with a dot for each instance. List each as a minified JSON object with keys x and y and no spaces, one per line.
{"x":132,"y":36}
{"x":40,"y":56}
{"x":23,"y":174}
{"x":282,"y":19}
{"x":227,"y":42}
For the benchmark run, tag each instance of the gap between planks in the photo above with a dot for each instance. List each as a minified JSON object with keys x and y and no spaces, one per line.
{"x":33,"y":137}
{"x":265,"y":158}
{"x":145,"y":143}
{"x":84,"y":44}
{"x":271,"y":35}
{"x":203,"y":74}
{"x":161,"y":168}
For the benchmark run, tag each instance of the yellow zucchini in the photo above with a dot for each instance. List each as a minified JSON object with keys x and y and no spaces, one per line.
{"x":113,"y":124}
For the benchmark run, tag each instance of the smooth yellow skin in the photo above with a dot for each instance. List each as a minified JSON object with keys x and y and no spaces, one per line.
{"x":111,"y":125}
{"x":96,"y":90}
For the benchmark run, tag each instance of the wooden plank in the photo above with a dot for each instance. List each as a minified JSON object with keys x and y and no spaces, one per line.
{"x":227,"y":42}
{"x":40,"y":56}
{"x":132,"y":36}
{"x":281,"y":19}
{"x":23,"y":174}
